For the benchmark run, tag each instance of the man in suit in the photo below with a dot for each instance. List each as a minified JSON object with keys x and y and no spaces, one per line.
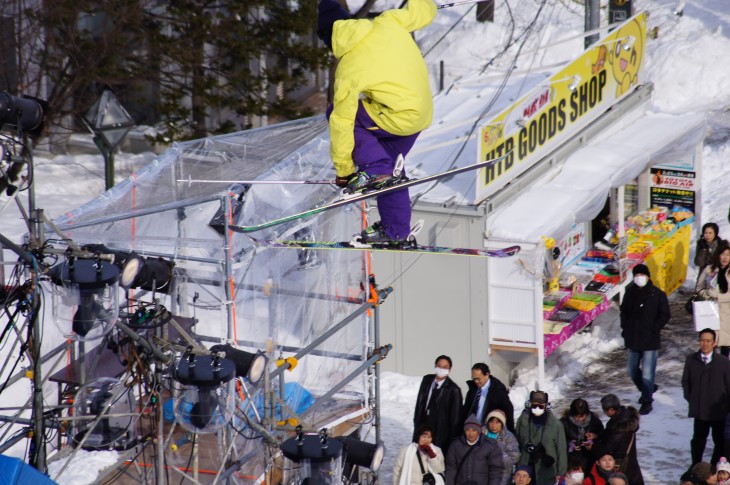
{"x":438,"y":405}
{"x":487,"y":393}
{"x":706,"y":386}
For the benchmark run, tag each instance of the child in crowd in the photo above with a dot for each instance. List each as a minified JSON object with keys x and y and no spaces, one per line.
{"x":574,"y":475}
{"x":723,"y":472}
{"x":601,"y":470}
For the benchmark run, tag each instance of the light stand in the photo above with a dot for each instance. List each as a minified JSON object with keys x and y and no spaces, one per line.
{"x":109,"y":122}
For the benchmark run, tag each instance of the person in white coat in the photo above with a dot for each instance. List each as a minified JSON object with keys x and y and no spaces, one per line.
{"x":713,"y":285}
{"x":419,"y":459}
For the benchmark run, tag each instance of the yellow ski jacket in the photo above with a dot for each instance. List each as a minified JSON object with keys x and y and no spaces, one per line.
{"x":379,"y":60}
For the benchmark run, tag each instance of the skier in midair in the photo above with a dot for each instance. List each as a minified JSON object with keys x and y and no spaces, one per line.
{"x":382,"y":101}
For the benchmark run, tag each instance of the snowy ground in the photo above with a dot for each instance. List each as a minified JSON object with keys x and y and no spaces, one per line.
{"x":688,"y":66}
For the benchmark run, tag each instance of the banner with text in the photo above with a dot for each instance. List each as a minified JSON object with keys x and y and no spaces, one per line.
{"x":563,"y":104}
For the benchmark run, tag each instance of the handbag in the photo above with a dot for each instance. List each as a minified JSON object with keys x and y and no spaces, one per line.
{"x":428,"y":478}
{"x":688,"y":305}
{"x":706,"y":315}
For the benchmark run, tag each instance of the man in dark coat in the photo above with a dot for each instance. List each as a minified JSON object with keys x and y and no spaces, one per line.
{"x":438,"y":405}
{"x":487,"y":393}
{"x":473,"y":459}
{"x":619,"y":437}
{"x":644,"y":312}
{"x":706,"y":386}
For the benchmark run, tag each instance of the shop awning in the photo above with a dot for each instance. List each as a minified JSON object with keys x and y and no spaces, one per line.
{"x":578,"y":192}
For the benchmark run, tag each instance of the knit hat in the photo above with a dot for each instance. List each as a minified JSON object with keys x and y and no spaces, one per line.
{"x":723,"y":465}
{"x":619,"y":475}
{"x":472,"y":422}
{"x":499,"y":415}
{"x":540,"y":397}
{"x":641,"y":269}
{"x":526,"y":468}
{"x":610,"y":401}
{"x":329,"y":12}
{"x":702,"y":471}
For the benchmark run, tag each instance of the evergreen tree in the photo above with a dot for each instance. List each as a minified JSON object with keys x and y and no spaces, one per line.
{"x":192,"y":67}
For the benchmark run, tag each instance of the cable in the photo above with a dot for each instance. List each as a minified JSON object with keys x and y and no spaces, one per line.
{"x":190,"y":459}
{"x":524,"y":36}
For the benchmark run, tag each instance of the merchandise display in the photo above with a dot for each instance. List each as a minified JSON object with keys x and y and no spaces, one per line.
{"x":587,"y":285}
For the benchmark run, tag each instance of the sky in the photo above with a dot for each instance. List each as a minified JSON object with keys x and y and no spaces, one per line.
{"x":687,"y":64}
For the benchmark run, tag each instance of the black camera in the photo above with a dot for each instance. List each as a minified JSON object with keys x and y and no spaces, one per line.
{"x":530,"y":448}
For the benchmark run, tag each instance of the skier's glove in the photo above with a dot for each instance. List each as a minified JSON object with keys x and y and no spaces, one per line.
{"x":342,"y":181}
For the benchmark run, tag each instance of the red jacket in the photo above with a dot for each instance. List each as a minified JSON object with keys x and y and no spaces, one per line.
{"x":594,"y":477}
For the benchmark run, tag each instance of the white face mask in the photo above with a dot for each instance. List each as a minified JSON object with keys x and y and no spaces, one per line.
{"x":538,"y":411}
{"x":577,"y":477}
{"x":441,"y":372}
{"x":641,"y":280}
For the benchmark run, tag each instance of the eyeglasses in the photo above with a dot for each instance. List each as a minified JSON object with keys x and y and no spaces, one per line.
{"x":536,"y":406}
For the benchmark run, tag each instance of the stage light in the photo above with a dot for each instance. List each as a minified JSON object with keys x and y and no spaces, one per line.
{"x":318,"y":456}
{"x":248,"y":365}
{"x":85,"y":294}
{"x":129,"y":263}
{"x":363,"y":454}
{"x":24,"y":114}
{"x":206,"y":402}
{"x":115,"y":429}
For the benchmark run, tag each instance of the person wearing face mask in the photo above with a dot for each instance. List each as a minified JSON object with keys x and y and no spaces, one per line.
{"x":542,"y":440}
{"x":713,"y":285}
{"x":575,"y":474}
{"x":644,"y":312}
{"x":438,"y":405}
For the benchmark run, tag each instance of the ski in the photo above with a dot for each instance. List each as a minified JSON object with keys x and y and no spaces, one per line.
{"x":405,"y":247}
{"x":397,"y":184}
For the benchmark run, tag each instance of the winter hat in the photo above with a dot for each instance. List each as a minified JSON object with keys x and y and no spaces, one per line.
{"x":619,"y":475}
{"x":472,"y":422}
{"x":499,"y":415}
{"x":329,"y":12}
{"x":641,"y":269}
{"x":702,"y":471}
{"x":525,"y":468}
{"x":610,"y":401}
{"x":723,"y":465}
{"x":540,"y":397}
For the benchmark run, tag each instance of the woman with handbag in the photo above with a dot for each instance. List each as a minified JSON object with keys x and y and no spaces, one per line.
{"x":713,"y":285}
{"x":421,"y":462}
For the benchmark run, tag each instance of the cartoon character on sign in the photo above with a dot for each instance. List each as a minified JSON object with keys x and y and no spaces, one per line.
{"x":491,"y":135}
{"x":657,"y":178}
{"x":625,"y":56}
{"x":600,"y":60}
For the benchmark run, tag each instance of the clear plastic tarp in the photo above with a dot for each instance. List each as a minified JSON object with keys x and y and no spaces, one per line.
{"x":257,"y":296}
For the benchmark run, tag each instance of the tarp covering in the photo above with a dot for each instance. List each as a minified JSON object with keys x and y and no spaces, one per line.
{"x":578,"y":192}
{"x":287,"y":297}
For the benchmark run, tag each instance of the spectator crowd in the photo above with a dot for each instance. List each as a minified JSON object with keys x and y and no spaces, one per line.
{"x":477,"y":440}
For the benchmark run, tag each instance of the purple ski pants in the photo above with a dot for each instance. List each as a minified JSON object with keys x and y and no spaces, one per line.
{"x":375,"y":153}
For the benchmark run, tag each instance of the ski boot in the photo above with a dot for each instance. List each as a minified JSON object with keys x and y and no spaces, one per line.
{"x":363,"y":182}
{"x":375,"y":236}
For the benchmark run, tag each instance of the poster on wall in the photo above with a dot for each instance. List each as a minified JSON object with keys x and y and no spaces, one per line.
{"x":672,"y":188}
{"x":573,"y":246}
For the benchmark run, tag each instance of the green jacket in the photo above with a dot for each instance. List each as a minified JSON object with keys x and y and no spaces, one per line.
{"x":380,"y":60}
{"x":552,"y":437}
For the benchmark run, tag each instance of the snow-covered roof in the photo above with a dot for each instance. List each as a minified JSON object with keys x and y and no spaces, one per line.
{"x":578,"y":192}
